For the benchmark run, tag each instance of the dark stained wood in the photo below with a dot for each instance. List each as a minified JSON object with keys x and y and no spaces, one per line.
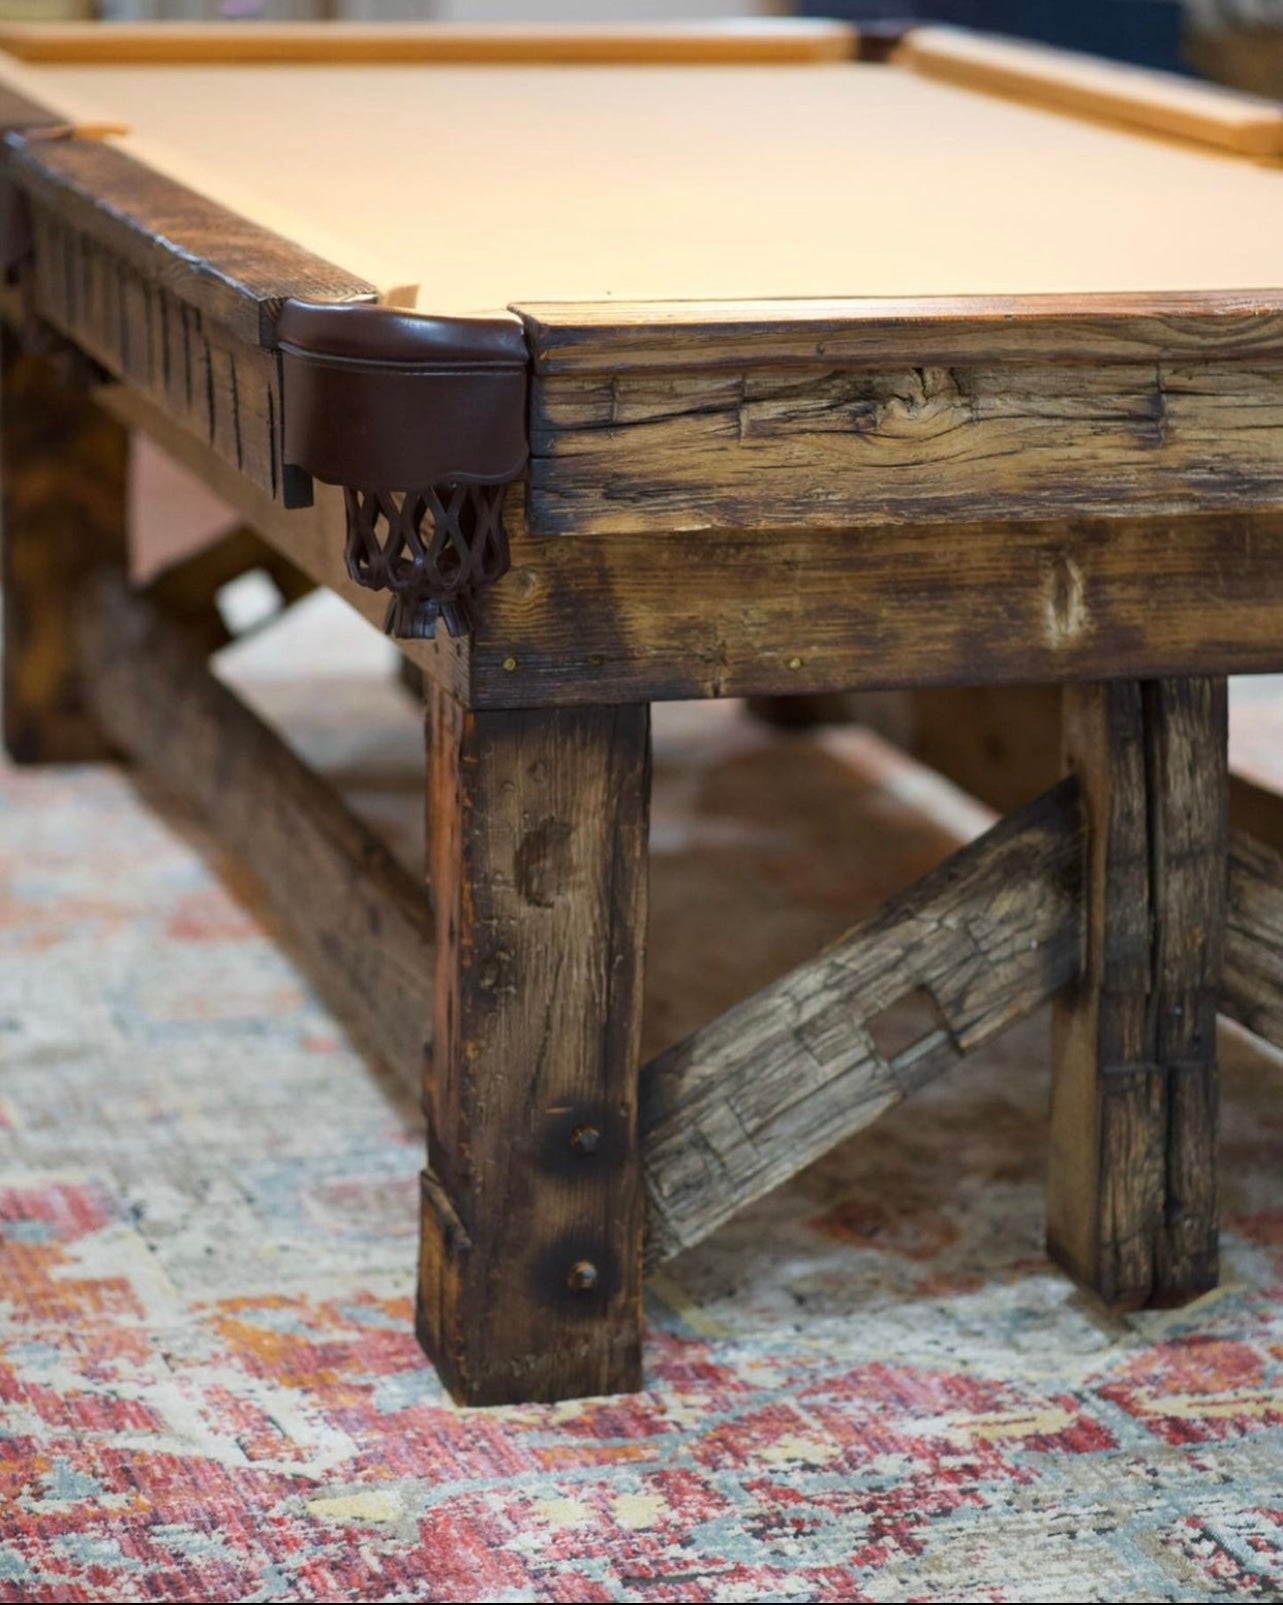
{"x":1132,"y":1209}
{"x":1003,"y":745}
{"x":1252,"y":984}
{"x":187,"y":591}
{"x":804,"y":713}
{"x":361,"y":922}
{"x":1000,"y":743}
{"x":713,"y":614}
{"x":538,"y":839}
{"x":747,"y":1101}
{"x":62,"y":478}
{"x":1257,"y":811}
{"x":166,"y":237}
{"x":218,"y":388}
{"x":833,"y":448}
{"x":168,"y":291}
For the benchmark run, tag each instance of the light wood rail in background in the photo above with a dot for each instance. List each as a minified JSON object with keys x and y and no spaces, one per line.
{"x":751,"y":40}
{"x":1085,"y":86}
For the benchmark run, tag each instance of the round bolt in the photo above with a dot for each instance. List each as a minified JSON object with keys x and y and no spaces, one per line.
{"x":509,"y":664}
{"x":795,"y":663}
{"x":585,"y":1139}
{"x":582,"y":1276}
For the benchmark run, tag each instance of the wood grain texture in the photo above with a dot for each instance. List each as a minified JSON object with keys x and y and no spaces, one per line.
{"x":219,"y":388}
{"x":1083,"y":85}
{"x":161,"y":236}
{"x":62,"y":510}
{"x":747,"y":1101}
{"x":360,"y":921}
{"x":538,"y":838}
{"x":890,"y":333}
{"x":837,"y":449}
{"x":629,"y":617}
{"x":1132,"y":1208}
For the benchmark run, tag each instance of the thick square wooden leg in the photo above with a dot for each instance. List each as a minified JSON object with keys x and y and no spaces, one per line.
{"x":530,"y":1276}
{"x":1133,"y":1184}
{"x":62,"y":476}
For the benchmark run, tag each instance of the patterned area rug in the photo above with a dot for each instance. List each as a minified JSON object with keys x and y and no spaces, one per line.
{"x":872,"y":1386}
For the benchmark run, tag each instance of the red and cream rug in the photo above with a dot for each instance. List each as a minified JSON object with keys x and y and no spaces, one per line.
{"x":872,"y":1386}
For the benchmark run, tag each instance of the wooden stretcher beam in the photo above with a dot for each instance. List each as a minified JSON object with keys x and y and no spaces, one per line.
{"x":188,"y":590}
{"x":361,"y":921}
{"x":1254,"y":938}
{"x":743,"y":1104}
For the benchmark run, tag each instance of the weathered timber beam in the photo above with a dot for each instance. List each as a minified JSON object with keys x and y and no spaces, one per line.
{"x":188,"y":589}
{"x":746,"y":1102}
{"x":361,"y":921}
{"x":1252,"y":976}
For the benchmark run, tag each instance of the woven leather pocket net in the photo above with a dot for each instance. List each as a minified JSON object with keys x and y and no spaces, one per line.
{"x":432,"y":548}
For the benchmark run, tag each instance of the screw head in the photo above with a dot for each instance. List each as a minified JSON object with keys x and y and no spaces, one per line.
{"x":509,"y":665}
{"x":585,"y":1139}
{"x":582,"y":1276}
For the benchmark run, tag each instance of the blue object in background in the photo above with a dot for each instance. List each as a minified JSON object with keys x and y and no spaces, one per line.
{"x":1144,"y":31}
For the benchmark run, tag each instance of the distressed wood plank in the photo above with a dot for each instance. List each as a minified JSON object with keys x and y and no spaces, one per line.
{"x":160,"y":234}
{"x":530,"y":1275}
{"x":1132,"y":1192}
{"x":62,"y":482}
{"x":836,"y":449}
{"x":609,"y":338}
{"x":220,"y":389}
{"x":747,"y":1101}
{"x":626,"y":617}
{"x":361,"y":922}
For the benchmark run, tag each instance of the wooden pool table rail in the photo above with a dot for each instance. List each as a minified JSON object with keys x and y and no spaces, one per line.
{"x":745,"y":41}
{"x":643,"y":417}
{"x":1156,"y":102}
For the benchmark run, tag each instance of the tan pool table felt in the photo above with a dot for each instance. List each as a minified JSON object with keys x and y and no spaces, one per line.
{"x":492,"y":185}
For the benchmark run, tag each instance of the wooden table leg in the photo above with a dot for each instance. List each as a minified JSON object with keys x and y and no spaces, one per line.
{"x":530,"y":1276}
{"x":1133,"y":1184}
{"x":62,"y":472}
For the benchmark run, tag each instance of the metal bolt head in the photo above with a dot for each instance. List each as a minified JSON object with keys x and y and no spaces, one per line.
{"x":509,"y":664}
{"x":582,"y":1276}
{"x":585,"y":1139}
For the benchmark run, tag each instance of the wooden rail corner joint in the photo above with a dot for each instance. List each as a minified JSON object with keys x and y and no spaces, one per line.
{"x":422,"y":421}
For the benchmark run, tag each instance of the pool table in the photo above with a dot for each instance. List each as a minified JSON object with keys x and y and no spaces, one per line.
{"x":602,"y":367}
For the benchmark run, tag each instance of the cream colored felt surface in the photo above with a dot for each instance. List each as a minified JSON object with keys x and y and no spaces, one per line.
{"x":490,"y":186}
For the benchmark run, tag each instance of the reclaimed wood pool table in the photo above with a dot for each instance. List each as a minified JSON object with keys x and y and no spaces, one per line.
{"x":605,"y":367}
